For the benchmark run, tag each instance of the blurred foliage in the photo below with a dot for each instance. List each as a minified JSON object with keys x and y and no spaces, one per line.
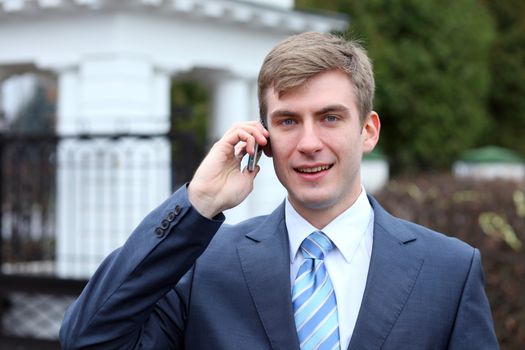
{"x":37,"y":115}
{"x":189,"y":109}
{"x":507,"y":58}
{"x":431,"y":65}
{"x":189,"y":128}
{"x":489,"y":215}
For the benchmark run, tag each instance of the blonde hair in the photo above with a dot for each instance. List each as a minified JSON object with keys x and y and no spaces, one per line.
{"x":300,"y":57}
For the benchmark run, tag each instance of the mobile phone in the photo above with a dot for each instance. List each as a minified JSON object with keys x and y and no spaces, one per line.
{"x":253,"y":159}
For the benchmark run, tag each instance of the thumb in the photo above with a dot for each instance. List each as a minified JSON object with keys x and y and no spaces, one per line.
{"x":253,"y":173}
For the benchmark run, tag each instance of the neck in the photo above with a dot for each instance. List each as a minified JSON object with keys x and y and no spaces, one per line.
{"x":319,"y":217}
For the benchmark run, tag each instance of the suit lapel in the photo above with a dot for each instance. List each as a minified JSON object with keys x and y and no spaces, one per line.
{"x":392,"y":274}
{"x":265,"y":261}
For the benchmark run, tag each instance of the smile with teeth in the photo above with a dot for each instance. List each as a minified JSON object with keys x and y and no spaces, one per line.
{"x":314,"y":169}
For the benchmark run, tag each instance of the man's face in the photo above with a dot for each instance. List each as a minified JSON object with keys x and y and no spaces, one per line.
{"x":317,"y":142}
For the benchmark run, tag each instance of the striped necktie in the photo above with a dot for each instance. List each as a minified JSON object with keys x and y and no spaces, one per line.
{"x":313,"y":297}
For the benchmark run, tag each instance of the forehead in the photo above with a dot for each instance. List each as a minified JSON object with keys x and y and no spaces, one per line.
{"x":323,"y":89}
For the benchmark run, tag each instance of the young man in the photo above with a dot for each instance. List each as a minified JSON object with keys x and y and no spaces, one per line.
{"x":328,"y":269}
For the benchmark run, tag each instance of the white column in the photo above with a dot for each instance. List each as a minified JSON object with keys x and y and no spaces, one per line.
{"x":234,"y":100}
{"x":113,"y":94}
{"x":231,"y":104}
{"x":105,"y":187}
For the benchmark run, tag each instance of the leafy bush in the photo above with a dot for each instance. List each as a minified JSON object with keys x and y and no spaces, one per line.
{"x":489,"y":215}
{"x":507,"y":65}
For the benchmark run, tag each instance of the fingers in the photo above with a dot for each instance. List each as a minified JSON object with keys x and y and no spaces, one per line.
{"x":240,"y":150}
{"x":244,"y":136}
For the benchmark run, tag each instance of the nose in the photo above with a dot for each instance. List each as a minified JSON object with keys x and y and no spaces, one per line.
{"x":309,"y":141}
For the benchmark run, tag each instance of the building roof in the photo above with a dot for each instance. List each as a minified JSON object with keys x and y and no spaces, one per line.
{"x":491,"y":154}
{"x":249,"y":13}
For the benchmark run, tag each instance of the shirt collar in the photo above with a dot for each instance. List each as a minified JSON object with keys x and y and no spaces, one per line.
{"x":345,"y":231}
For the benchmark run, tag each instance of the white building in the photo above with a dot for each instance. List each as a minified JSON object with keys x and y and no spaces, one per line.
{"x":114,"y":61}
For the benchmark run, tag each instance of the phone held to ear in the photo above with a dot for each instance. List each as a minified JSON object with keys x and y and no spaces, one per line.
{"x":254,"y":159}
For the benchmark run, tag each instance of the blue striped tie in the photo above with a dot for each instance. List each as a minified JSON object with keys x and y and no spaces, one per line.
{"x":313,"y":297}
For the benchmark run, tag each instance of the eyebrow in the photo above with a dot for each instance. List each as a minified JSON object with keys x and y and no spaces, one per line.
{"x":324,"y":110}
{"x":283,"y":113}
{"x":332,"y":108}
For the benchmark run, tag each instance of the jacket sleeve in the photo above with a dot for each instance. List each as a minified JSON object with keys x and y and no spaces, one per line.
{"x":121,"y":306}
{"x":473,"y":327}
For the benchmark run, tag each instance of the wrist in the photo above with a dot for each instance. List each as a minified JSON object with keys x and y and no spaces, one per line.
{"x":203,"y":203}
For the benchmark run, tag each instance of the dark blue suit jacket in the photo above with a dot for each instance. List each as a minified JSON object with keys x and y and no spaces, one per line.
{"x":169,"y":287}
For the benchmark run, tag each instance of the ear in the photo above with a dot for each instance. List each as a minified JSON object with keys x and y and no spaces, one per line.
{"x":268,"y":149}
{"x":370,"y":132}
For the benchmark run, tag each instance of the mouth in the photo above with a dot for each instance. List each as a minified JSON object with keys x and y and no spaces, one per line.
{"x":313,"y":170}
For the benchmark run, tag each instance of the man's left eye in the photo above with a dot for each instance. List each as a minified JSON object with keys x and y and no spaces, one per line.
{"x":330,"y":118}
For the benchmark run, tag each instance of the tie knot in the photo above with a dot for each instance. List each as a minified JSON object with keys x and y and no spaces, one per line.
{"x":316,"y":246}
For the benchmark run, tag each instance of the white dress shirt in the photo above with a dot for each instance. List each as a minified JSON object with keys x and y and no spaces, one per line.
{"x":347,"y":264}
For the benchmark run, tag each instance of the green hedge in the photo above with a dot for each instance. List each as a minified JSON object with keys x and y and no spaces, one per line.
{"x":489,"y":215}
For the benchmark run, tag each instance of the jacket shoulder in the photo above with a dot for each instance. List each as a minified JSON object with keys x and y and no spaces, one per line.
{"x":435,"y":242}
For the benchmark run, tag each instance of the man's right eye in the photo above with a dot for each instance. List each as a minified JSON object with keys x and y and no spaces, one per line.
{"x":287,"y":122}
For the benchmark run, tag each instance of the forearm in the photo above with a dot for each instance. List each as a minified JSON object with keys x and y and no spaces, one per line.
{"x":121,"y":295}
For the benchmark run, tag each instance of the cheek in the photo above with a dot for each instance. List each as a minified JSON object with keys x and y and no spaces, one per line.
{"x":282,"y":147}
{"x":280,"y":159}
{"x":343,"y":144}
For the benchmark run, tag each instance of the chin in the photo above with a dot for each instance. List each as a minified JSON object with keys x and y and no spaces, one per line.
{"x":315,"y":202}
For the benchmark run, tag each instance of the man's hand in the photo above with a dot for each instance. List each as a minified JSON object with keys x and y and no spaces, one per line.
{"x":219,"y":183}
